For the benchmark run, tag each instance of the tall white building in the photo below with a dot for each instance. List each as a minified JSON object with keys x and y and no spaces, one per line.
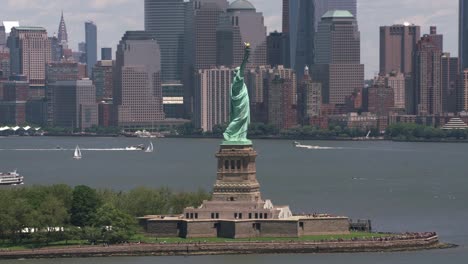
{"x":212,"y":97}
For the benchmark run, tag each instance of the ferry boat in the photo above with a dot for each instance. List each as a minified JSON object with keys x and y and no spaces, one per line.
{"x":11,"y":178}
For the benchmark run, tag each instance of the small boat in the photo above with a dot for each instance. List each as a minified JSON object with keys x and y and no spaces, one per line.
{"x":136,"y":147}
{"x":150,"y":148}
{"x":77,"y":154}
{"x":11,"y":178}
{"x":299,"y":145}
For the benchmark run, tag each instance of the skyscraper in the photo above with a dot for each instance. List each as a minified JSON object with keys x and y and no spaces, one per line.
{"x":74,"y":104}
{"x":323,"y":6}
{"x":338,"y":64}
{"x":396,"y":81}
{"x":29,"y":52}
{"x":310,"y":99}
{"x":55,"y":49}
{"x":241,"y":24}
{"x":428,"y":77}
{"x":305,"y":38}
{"x":285,"y":21}
{"x":165,"y":18}
{"x":463,"y":35}
{"x":103,"y":79}
{"x":281,"y":103}
{"x":91,"y":46}
{"x":450,"y":80}
{"x":106,"y":53}
{"x":201,"y":20}
{"x":137,"y":80}
{"x":438,"y":39}
{"x":62,"y":32}
{"x":397,"y":44}
{"x":212,"y":100}
{"x":3,"y":38}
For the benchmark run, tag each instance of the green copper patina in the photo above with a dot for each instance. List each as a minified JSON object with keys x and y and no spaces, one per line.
{"x":236,"y":132}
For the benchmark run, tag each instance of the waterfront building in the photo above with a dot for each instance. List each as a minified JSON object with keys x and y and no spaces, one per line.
{"x":212,"y":97}
{"x":13,"y":98}
{"x":363,"y":122}
{"x":428,"y":77}
{"x":103,"y":79}
{"x":241,"y":24}
{"x":463,"y":98}
{"x":310,"y":99}
{"x":450,"y":81}
{"x":165,"y":18}
{"x":338,"y":66}
{"x":106,"y":114}
{"x":58,"y":71}
{"x":91,"y":46}
{"x":106,"y":54}
{"x":137,"y":80}
{"x":281,"y":101}
{"x":396,"y":81}
{"x":454,"y":124}
{"x":397,"y":45}
{"x":30,"y":51}
{"x":380,"y":97}
{"x":74,"y":104}
{"x":173,"y":100}
{"x":256,"y":82}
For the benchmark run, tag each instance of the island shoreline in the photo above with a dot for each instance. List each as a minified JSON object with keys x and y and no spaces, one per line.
{"x":229,"y":248}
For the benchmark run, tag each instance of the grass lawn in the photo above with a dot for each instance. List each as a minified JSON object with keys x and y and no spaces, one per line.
{"x":171,"y":240}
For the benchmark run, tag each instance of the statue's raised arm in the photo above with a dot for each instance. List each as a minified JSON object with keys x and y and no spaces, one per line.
{"x":236,"y":133}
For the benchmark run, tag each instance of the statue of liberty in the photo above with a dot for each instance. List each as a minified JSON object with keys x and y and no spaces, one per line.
{"x":236,"y":132}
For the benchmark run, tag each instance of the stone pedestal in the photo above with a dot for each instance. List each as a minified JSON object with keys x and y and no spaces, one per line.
{"x":236,"y":175}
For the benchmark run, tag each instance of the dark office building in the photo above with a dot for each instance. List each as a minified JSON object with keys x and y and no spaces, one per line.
{"x":91,"y":46}
{"x":397,"y":44}
{"x":165,"y":18}
{"x":106,"y":53}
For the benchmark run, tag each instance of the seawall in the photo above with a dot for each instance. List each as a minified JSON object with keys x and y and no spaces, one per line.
{"x":421,"y":243}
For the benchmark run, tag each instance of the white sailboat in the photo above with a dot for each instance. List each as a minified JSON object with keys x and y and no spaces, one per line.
{"x":77,"y":154}
{"x":150,"y":148}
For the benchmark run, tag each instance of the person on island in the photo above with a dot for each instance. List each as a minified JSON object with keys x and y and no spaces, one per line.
{"x":236,"y":132}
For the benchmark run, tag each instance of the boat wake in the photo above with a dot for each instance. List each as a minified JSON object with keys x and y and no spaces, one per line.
{"x":63,"y":149}
{"x":299,"y":145}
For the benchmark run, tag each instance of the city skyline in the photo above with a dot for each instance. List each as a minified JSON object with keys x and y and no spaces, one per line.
{"x":130,"y":15}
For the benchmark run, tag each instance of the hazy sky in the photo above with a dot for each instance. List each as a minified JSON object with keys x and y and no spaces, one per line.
{"x":114,"y":17}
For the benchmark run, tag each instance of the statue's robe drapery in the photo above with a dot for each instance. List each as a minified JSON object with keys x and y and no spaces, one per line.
{"x":240,"y":110}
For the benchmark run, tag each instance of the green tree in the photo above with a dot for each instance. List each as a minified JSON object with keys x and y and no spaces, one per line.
{"x":116,"y":225}
{"x":84,"y":205}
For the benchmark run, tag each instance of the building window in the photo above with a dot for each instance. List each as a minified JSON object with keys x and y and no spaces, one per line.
{"x":196,"y":215}
{"x":265,"y":215}
{"x":233,"y":165}
{"x":217,"y":215}
{"x":232,"y":199}
{"x":256,"y":215}
{"x":301,"y":225}
{"x":238,"y":164}
{"x":261,"y":216}
{"x":235,"y":215}
{"x":226,"y":164}
{"x":212,"y":215}
{"x":187,"y":215}
{"x":250,"y":215}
